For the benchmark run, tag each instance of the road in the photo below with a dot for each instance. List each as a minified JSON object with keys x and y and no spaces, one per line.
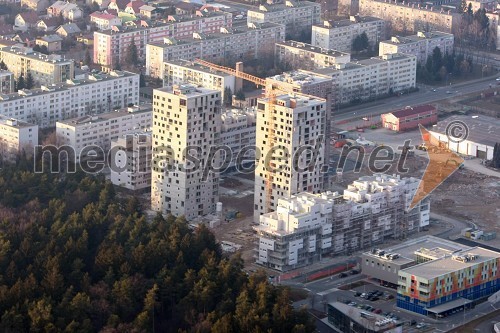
{"x":425,"y":95}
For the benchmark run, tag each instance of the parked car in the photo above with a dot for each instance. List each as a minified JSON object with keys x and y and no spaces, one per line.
{"x":413,"y":322}
{"x":354,"y":272}
{"x":363,"y":295}
{"x":377,"y":311}
{"x":375,"y":298}
{"x":420,"y":325}
{"x":357,"y":294}
{"x":388,"y":297}
{"x":352,"y":304}
{"x":342,"y":275}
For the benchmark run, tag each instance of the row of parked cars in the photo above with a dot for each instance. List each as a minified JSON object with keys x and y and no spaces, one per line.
{"x":374,"y":295}
{"x":364,"y":307}
{"x":345,"y":274}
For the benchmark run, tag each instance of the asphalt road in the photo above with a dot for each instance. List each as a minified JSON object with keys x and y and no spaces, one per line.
{"x":425,"y":95}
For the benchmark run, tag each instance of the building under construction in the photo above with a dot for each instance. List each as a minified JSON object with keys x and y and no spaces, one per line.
{"x":307,"y":226}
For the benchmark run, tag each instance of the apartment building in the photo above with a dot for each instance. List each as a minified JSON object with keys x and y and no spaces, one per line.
{"x":45,"y":69}
{"x":110,"y":46}
{"x":15,"y":137}
{"x":100,"y":130}
{"x":185,"y":116}
{"x":238,"y":134}
{"x":306,"y":226}
{"x":97,"y":93}
{"x":104,"y":21}
{"x":244,"y":42}
{"x":177,"y":72}
{"x":307,"y":56}
{"x":284,"y":167}
{"x":6,"y":82}
{"x":412,"y":16}
{"x":420,"y":45}
{"x":296,"y":15}
{"x":340,"y":35}
{"x":452,"y":282}
{"x":366,"y":79}
{"x":131,"y":156}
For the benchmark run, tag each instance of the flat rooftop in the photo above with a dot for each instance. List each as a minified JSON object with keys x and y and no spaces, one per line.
{"x":353,"y":65}
{"x":85,"y":120}
{"x":399,"y":40}
{"x":301,"y":78}
{"x":482,"y":129}
{"x":312,"y":48}
{"x":195,"y":66}
{"x":426,"y":7}
{"x":190,"y":90}
{"x":266,"y":8}
{"x":442,"y":266}
{"x":348,"y":22}
{"x":91,"y":78}
{"x":11,"y":122}
{"x":368,"y":319}
{"x":29,"y":53}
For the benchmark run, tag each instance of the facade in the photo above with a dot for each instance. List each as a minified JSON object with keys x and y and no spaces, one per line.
{"x":104,"y":21}
{"x":483,"y":134}
{"x":411,"y":17}
{"x":452,"y":282}
{"x":293,"y":122}
{"x":339,"y":35}
{"x":420,"y":45}
{"x":36,"y":5}
{"x":307,"y":56}
{"x":98,"y":93}
{"x":377,"y":76}
{"x":51,"y":42}
{"x":184,"y":116}
{"x":6,"y":82}
{"x":371,"y":209}
{"x":45,"y":69}
{"x":110,"y":46}
{"x":297,"y":16}
{"x":410,"y":117}
{"x":15,"y":137}
{"x":385,"y":264}
{"x":68,"y":10}
{"x":131,"y":155}
{"x":26,"y":20}
{"x":252,"y":41}
{"x":238,"y":134}
{"x":47,"y":24}
{"x":177,"y":72}
{"x":100,"y":130}
{"x":67,"y":30}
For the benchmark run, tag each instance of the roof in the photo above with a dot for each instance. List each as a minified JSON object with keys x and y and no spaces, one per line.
{"x":187,"y":6}
{"x":50,"y":21}
{"x":29,"y":17}
{"x":102,"y":16}
{"x":410,"y":111}
{"x":6,"y":29}
{"x":63,"y":6}
{"x":147,"y":8}
{"x":481,"y":129}
{"x":6,"y":121}
{"x":135,"y":5}
{"x":449,"y":305}
{"x":420,"y":36}
{"x":432,"y":269}
{"x":51,"y":38}
{"x":70,"y":28}
{"x":313,"y":49}
{"x":347,"y":22}
{"x":368,"y":320}
{"x":85,"y":120}
{"x":121,"y":4}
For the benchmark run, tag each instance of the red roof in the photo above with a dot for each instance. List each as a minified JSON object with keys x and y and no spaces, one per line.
{"x":412,"y":111}
{"x":136,"y":4}
{"x":120,"y":3}
{"x":102,"y":16}
{"x":29,"y":17}
{"x":50,"y":21}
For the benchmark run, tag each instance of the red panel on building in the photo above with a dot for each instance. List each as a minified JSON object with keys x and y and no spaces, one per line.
{"x":409,"y":118}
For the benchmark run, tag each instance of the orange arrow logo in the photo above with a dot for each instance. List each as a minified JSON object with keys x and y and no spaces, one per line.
{"x":442,"y":162}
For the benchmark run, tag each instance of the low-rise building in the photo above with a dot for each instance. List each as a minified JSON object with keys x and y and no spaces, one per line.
{"x":306,"y":56}
{"x":450,"y":282}
{"x":6,"y":82}
{"x":25,"y":21}
{"x":67,"y":30}
{"x":131,"y":161}
{"x":36,"y":5}
{"x":15,"y":137}
{"x":296,"y":15}
{"x":252,"y":41}
{"x":176,"y":72}
{"x":104,"y":21}
{"x":68,"y":10}
{"x":369,"y":78}
{"x":48,"y":24}
{"x":410,"y":117}
{"x":100,"y":130}
{"x":482,"y":133}
{"x":238,"y":133}
{"x":51,"y":42}
{"x":307,"y":226}
{"x":420,"y":45}
{"x":97,"y":93}
{"x":340,"y":35}
{"x":45,"y":69}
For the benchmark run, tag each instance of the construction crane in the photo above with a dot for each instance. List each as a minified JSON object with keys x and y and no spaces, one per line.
{"x":272,"y":89}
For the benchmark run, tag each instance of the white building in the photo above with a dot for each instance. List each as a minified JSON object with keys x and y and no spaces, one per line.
{"x":177,"y":72}
{"x":15,"y":137}
{"x":306,"y":56}
{"x":372,"y":77}
{"x":6,"y":82}
{"x":339,"y":35}
{"x":307,"y":226}
{"x":99,"y":130}
{"x":131,"y":156}
{"x":45,"y":69}
{"x":238,"y":133}
{"x":97,"y":93}
{"x":420,"y":45}
{"x":296,"y":15}
{"x":283,"y":169}
{"x":244,"y":42}
{"x":185,"y":117}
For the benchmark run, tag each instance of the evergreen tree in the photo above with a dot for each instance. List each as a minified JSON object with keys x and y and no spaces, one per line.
{"x":240,"y":95}
{"x":142,"y":80}
{"x":3,"y":65}
{"x":228,"y":96}
{"x":131,"y":56}
{"x":88,"y":59}
{"x":20,"y":84}
{"x":29,"y":81}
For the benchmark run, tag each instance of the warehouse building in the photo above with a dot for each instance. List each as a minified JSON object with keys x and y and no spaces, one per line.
{"x":409,"y":118}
